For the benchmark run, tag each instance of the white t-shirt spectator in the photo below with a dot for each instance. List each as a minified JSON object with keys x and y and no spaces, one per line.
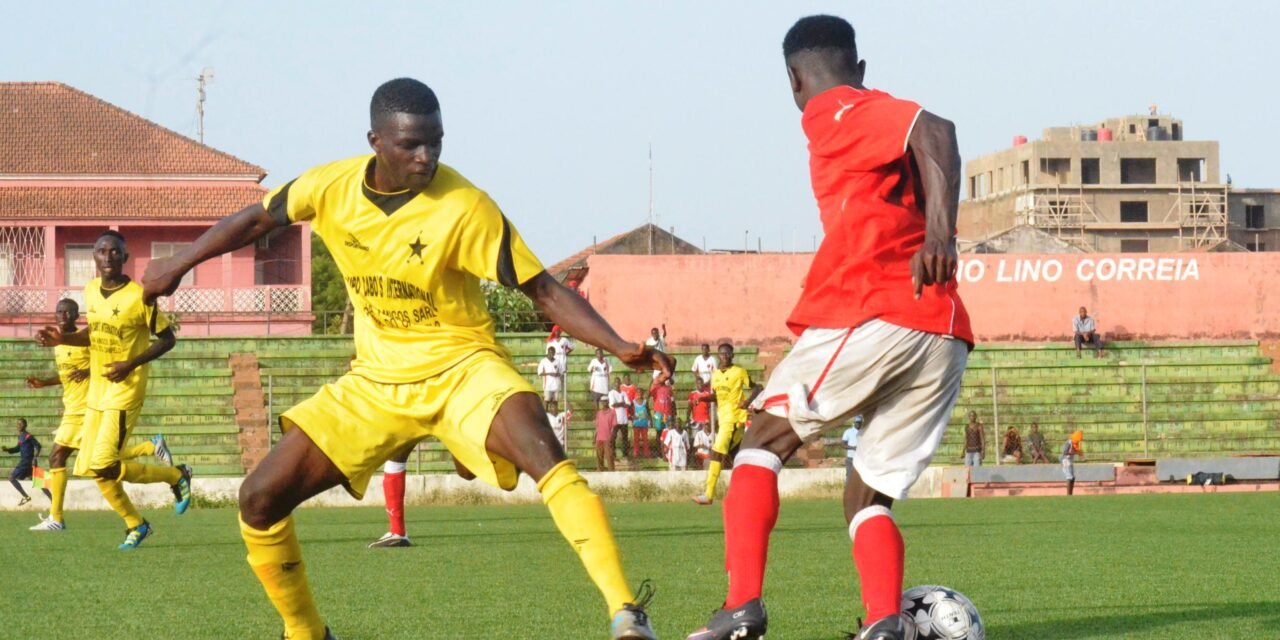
{"x":1082,"y":325}
{"x":551,"y":373}
{"x":702,"y":442}
{"x":600,"y":370}
{"x":560,"y":425}
{"x":564,"y":347}
{"x":704,"y":367}
{"x":850,"y":438}
{"x":619,"y":401}
{"x":657,"y":343}
{"x":677,"y":445}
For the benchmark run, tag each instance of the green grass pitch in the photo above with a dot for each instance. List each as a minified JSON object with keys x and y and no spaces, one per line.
{"x":1133,"y":567}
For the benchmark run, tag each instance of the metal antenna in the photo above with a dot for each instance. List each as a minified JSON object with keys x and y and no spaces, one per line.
{"x":205,"y":79}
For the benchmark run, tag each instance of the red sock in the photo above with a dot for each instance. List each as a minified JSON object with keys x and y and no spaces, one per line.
{"x":878,"y":554}
{"x":393,"y":492}
{"x":750,"y":511}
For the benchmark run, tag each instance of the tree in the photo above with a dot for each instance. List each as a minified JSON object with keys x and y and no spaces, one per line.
{"x":512,"y":311}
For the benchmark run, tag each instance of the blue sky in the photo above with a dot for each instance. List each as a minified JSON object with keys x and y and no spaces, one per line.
{"x":551,"y":106}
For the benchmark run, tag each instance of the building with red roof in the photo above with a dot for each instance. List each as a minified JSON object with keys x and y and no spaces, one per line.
{"x":73,"y":165}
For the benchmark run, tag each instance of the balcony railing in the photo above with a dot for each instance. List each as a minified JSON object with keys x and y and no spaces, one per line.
{"x":261,"y":299}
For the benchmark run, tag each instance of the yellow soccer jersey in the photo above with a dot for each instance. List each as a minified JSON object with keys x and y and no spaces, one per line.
{"x":70,"y":359}
{"x":730,"y":384}
{"x":120,"y":328}
{"x":412,"y":263}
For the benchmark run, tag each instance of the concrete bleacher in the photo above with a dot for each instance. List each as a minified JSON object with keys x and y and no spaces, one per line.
{"x":1202,"y":399}
{"x":189,"y":401}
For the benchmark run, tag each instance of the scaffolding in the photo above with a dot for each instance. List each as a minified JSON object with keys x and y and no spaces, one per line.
{"x":1063,"y":213}
{"x":1201,"y":215}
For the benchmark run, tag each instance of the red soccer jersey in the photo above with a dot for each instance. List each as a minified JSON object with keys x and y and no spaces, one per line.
{"x":662,"y":397}
{"x":701,"y":403}
{"x":871,"y":203}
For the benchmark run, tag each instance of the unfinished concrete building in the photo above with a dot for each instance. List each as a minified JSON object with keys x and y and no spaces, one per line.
{"x":1129,"y":184}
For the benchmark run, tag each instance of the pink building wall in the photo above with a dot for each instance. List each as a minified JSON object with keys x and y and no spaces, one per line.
{"x":1010,"y":297}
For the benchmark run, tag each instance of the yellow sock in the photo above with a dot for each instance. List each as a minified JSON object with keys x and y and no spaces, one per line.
{"x":139,"y":473}
{"x":276,"y":558}
{"x":57,"y":482}
{"x":713,"y":476}
{"x":114,"y":493}
{"x":580,"y":516}
{"x":142,"y":449}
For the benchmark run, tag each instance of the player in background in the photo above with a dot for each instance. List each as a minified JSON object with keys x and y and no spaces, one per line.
{"x":883,"y":332}
{"x":428,"y":362}
{"x":1074,"y":448}
{"x":73,"y":375}
{"x":28,"y":449}
{"x":122,"y":321}
{"x":733,"y":391}
{"x":393,"y":477}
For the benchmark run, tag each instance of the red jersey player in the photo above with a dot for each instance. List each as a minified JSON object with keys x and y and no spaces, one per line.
{"x":882,"y":330}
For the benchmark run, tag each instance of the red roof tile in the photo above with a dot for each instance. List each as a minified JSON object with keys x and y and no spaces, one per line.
{"x":49,"y":128}
{"x":127,"y":203}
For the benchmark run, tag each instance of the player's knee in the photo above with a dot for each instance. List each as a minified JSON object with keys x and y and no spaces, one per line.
{"x":256,"y":501}
{"x":58,"y":458}
{"x":111,"y":472}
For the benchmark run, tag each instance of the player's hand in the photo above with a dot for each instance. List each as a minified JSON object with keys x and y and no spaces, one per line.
{"x":640,"y":358}
{"x":50,"y":336}
{"x":162,"y":278}
{"x":78,"y":375}
{"x":935,"y":263}
{"x":34,"y":383}
{"x":118,"y":371}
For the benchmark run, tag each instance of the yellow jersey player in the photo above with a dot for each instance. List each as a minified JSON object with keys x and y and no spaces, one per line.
{"x":73,"y":376}
{"x":414,"y":239}
{"x":733,"y":392}
{"x":122,"y":322}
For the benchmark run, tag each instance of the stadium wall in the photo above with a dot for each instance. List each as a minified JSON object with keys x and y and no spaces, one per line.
{"x":1010,"y":297}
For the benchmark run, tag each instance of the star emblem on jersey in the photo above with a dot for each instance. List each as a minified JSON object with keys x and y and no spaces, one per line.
{"x":415,"y":248}
{"x":115,"y":312}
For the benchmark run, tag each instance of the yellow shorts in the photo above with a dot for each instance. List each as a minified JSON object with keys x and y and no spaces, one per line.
{"x":728,"y":438}
{"x":69,"y":430}
{"x":360,"y":424}
{"x":103,"y":433}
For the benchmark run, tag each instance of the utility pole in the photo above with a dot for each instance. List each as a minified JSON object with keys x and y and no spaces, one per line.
{"x":650,"y":234}
{"x":205,"y":79}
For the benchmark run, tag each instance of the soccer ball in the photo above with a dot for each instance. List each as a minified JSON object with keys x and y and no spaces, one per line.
{"x":939,"y":613}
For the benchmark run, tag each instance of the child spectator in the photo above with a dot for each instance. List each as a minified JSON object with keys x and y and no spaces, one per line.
{"x":1011,"y":448}
{"x":639,"y":425}
{"x":676,"y":443}
{"x":658,"y":342}
{"x":552,"y":376}
{"x":699,"y":412}
{"x":702,"y":445}
{"x":600,"y":370}
{"x":663,"y":401}
{"x":605,"y":421}
{"x":1036,"y":440}
{"x":559,"y":423}
{"x":621,"y":406}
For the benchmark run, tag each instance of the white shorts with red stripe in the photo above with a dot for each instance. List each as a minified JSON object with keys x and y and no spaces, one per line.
{"x":903,"y":383}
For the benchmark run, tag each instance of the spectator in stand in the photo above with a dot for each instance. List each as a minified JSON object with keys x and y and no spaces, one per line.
{"x":975,"y":441}
{"x":564,"y":346}
{"x":639,"y":425}
{"x":850,"y":439}
{"x":605,"y":422}
{"x":1070,"y":451}
{"x":621,"y":405}
{"x":658,"y":341}
{"x":700,"y":406}
{"x":552,"y":375}
{"x":629,"y":389}
{"x":664,"y":405}
{"x":600,"y":369}
{"x":702,"y":445}
{"x":1086,"y":330}
{"x":1011,"y":448}
{"x":676,"y":445}
{"x":703,"y":367}
{"x":1036,"y":441}
{"x":559,"y":423}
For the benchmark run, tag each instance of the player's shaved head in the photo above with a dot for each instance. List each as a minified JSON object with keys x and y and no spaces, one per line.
{"x":112,"y":233}
{"x":821,"y":53}
{"x":69,"y":305}
{"x":402,"y":95}
{"x":821,"y":33}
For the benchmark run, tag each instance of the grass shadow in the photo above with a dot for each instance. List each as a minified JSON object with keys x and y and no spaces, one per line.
{"x":1120,"y":625}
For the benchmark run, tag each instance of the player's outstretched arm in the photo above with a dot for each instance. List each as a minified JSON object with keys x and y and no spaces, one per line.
{"x":232,"y":232}
{"x":579,"y":319}
{"x":937,"y":154}
{"x":52,"y":336}
{"x":40,"y":383}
